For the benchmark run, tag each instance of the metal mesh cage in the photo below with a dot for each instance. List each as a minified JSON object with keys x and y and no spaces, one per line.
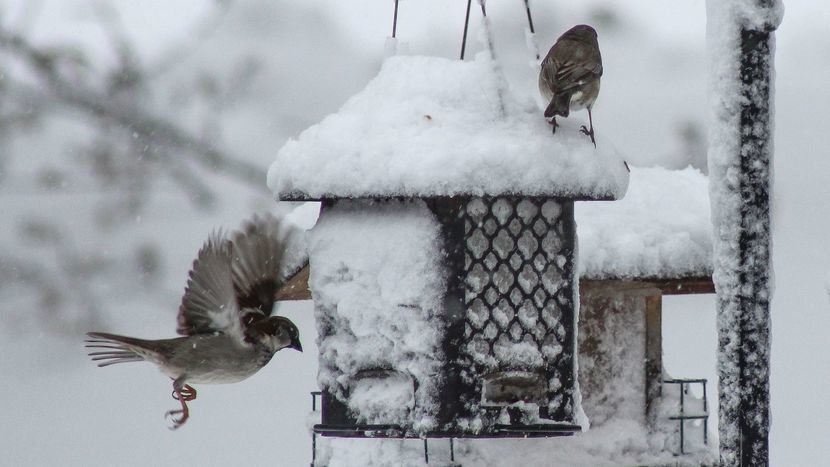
{"x":519,"y":302}
{"x":509,"y":323}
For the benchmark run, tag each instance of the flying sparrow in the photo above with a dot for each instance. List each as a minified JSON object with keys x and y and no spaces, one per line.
{"x":570,"y":75}
{"x":224,"y":317}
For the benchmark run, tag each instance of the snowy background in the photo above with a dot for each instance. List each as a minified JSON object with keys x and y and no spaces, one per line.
{"x":100,"y":220}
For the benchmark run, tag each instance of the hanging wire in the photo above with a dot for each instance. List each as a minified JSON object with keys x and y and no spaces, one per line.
{"x":466,"y":25}
{"x":395,"y":20}
{"x":482,"y":3}
{"x":529,"y":18}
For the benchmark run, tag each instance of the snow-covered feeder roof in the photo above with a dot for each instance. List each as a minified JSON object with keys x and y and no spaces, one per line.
{"x":660,"y":230}
{"x":428,"y":126}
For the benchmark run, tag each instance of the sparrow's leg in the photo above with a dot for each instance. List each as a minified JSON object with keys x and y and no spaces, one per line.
{"x":188,"y":393}
{"x":590,"y":132}
{"x":182,"y":395}
{"x":553,"y":125}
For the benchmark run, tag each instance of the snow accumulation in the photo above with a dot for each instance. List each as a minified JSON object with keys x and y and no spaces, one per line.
{"x":624,"y":442}
{"x":378,"y":288}
{"x":661,"y":229}
{"x":751,"y":13}
{"x":428,"y":126}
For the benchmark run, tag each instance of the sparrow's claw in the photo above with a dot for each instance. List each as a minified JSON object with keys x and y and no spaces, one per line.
{"x":184,"y":414}
{"x":585,"y":131}
{"x":184,"y":394}
{"x":553,"y":125}
{"x":177,"y":422}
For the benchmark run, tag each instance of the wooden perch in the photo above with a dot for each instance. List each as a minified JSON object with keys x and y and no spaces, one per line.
{"x":296,"y":287}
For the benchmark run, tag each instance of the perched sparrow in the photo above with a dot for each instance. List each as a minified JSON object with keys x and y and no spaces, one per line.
{"x":570,"y":75}
{"x":224,"y":317}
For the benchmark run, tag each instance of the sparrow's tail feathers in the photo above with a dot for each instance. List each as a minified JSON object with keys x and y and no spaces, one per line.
{"x":114,"y":348}
{"x":559,"y":105}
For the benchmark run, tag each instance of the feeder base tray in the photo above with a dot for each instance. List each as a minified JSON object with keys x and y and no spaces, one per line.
{"x":545,"y":430}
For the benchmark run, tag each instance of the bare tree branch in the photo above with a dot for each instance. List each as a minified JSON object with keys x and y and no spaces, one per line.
{"x":157,"y":129}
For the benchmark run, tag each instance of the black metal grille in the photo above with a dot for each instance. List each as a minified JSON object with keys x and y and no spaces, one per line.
{"x":518,"y":294}
{"x":684,"y":416}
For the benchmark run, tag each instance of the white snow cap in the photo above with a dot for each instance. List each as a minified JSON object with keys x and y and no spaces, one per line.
{"x":378,"y":289}
{"x":661,"y":229}
{"x":428,"y":126}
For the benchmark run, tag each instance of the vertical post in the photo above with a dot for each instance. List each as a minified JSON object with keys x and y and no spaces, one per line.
{"x":754,"y":247}
{"x":454,"y":388}
{"x":740,"y":162}
{"x":654,"y":352}
{"x":682,"y":417}
{"x":314,"y":395}
{"x":706,"y":411}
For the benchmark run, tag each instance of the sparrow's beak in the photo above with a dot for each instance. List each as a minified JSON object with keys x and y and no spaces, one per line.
{"x":295,"y":344}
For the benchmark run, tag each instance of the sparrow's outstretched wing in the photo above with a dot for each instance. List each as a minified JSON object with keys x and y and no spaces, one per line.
{"x":209,"y":303}
{"x":258,"y":250}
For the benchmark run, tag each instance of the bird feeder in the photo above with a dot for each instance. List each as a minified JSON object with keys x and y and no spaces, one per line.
{"x":443,"y":261}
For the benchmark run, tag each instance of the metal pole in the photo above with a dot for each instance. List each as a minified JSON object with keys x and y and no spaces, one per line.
{"x":741,"y":180}
{"x":754,"y":248}
{"x":682,"y":420}
{"x":314,"y":395}
{"x":313,"y":449}
{"x":706,"y":411}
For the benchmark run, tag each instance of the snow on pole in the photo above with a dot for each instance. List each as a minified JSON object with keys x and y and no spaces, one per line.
{"x":487,"y":38}
{"x":530,"y":35}
{"x":393,"y":46}
{"x":741,"y":43}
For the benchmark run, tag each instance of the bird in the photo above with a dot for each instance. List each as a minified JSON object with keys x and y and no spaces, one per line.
{"x":570,"y":75}
{"x":225,"y":321}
